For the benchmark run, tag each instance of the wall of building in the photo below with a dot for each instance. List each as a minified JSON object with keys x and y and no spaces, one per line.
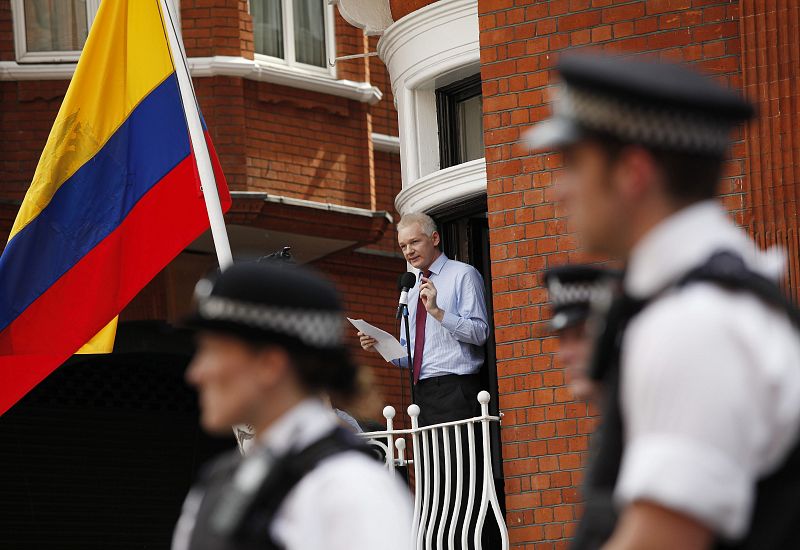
{"x":270,"y":138}
{"x":6,"y":32}
{"x":317,"y":146}
{"x":770,"y":76}
{"x":545,"y":434}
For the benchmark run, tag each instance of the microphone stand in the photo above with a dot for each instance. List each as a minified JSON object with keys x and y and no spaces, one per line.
{"x":408,"y":353}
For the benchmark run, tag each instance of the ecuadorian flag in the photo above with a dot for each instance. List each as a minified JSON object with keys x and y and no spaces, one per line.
{"x":115,"y":197}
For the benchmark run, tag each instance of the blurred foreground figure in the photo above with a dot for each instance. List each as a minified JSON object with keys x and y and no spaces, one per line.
{"x":574,"y":292}
{"x":269,"y":343}
{"x":700,"y":356}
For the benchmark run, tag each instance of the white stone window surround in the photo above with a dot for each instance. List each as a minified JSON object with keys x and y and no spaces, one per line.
{"x":444,"y":188}
{"x":219,"y":66}
{"x":429,"y":48}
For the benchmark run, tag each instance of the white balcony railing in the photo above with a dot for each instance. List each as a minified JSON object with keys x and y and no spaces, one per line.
{"x":435,"y":523}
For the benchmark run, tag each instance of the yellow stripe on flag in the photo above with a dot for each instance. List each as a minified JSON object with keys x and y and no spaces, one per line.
{"x":103,"y":341}
{"x":126,"y":51}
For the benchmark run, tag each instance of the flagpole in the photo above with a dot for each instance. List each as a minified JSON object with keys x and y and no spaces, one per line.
{"x":208,"y":184}
{"x":197,"y":137}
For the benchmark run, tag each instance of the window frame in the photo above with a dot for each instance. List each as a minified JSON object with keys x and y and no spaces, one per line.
{"x":63,"y":56}
{"x":287,"y":12}
{"x":447,"y":100}
{"x":55,"y":56}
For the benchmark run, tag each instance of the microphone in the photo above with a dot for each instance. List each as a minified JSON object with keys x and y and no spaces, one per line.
{"x":404,"y":283}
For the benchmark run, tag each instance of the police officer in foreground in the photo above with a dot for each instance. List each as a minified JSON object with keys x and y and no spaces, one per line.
{"x":269,"y":343}
{"x":576,"y":292}
{"x":700,"y":357}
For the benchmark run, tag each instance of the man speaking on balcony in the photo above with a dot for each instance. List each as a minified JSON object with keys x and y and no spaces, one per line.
{"x":447,"y":312}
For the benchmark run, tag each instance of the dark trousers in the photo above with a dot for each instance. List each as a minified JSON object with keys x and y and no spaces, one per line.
{"x":446,"y":399}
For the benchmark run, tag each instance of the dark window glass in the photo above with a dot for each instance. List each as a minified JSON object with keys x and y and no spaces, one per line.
{"x":459,"y":108}
{"x":55,"y":26}
{"x":268,"y":27}
{"x":309,"y":32}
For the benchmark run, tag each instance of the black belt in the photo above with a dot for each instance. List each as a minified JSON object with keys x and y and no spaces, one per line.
{"x":446,"y":379}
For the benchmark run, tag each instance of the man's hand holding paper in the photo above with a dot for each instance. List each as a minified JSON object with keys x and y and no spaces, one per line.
{"x":383,"y":342}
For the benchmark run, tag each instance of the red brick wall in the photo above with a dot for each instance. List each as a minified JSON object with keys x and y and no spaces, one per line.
{"x":387,"y":184}
{"x":384,"y":115}
{"x":771,"y":74}
{"x":216,"y":27}
{"x":545,"y":434}
{"x":6,"y":32}
{"x":269,"y":138}
{"x":350,"y":41}
{"x":222,"y":102}
{"x":306,"y":145}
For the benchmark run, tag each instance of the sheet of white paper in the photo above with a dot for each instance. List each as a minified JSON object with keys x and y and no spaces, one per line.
{"x":387,"y":345}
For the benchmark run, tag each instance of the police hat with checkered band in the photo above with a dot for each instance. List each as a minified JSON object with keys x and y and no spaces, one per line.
{"x":575,"y":289}
{"x":661,"y":105}
{"x":272,"y":302}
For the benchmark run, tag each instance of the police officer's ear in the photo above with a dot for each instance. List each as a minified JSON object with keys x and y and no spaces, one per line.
{"x":636,"y":174}
{"x":273,"y":366}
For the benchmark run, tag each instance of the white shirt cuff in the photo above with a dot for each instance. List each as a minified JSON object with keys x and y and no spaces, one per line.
{"x":450,"y":321}
{"x":687,"y":477}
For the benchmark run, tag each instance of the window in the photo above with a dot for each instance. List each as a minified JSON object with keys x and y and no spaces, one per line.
{"x":459,"y":108}
{"x":51,"y":30}
{"x":293,"y":31}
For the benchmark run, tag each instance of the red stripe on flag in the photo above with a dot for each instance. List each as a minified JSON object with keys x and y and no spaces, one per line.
{"x":166,"y":220}
{"x":224,"y":193}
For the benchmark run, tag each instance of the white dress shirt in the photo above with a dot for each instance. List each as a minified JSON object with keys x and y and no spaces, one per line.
{"x":710,"y":384}
{"x":348,"y":502}
{"x":454,"y":345}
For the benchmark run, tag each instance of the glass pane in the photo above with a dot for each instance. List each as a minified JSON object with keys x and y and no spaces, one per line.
{"x":469,"y":115}
{"x":268,"y":27}
{"x":55,"y":25}
{"x":309,"y":32}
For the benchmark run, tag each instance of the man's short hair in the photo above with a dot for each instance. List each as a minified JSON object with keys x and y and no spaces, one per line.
{"x":425,"y":222}
{"x":689,"y":177}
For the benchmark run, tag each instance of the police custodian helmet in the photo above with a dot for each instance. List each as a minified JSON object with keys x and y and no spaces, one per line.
{"x":575,"y":289}
{"x":657,"y":104}
{"x":278,"y":303}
